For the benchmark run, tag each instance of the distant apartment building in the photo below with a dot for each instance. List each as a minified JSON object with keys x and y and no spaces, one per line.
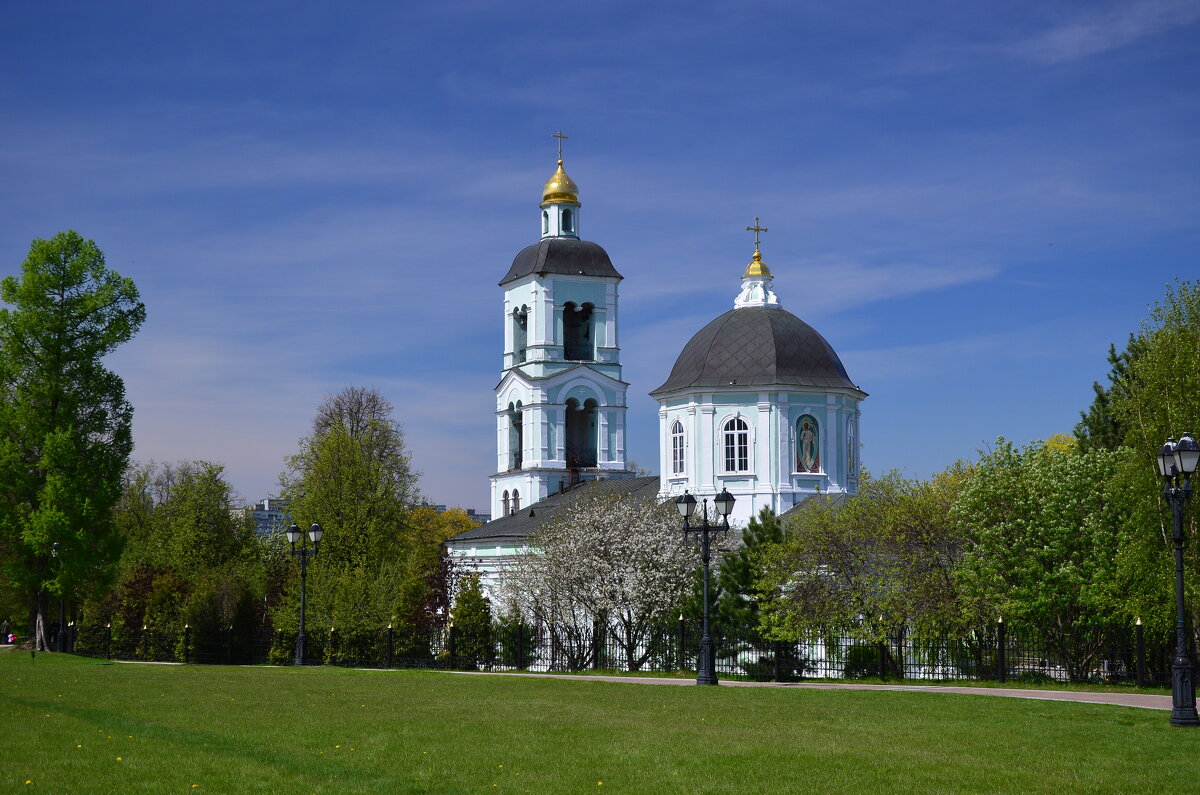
{"x":270,"y":516}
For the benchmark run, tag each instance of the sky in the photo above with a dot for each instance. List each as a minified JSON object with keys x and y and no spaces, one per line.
{"x":970,"y":201}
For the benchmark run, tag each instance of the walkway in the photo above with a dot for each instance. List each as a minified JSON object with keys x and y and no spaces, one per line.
{"x":1142,"y":700}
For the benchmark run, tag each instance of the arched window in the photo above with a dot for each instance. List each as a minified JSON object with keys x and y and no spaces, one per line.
{"x":520,"y":332}
{"x":545,"y":221}
{"x":568,"y":220}
{"x":516,"y":501}
{"x":677,"y":448}
{"x":504,"y":500}
{"x":577,"y":332}
{"x":737,"y":445}
{"x":581,"y":433}
{"x":808,"y":444}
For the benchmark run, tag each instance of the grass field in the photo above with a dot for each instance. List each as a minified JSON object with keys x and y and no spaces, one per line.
{"x":74,"y":725}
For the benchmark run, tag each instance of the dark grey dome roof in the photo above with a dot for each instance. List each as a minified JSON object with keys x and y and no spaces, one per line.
{"x":757,"y":346}
{"x":561,"y":255}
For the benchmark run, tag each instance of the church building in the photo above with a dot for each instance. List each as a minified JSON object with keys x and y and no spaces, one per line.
{"x":757,"y":403}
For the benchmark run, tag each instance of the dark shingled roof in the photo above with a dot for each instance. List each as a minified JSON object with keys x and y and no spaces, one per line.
{"x":754,"y":346}
{"x":561,"y":255}
{"x":525,"y":521}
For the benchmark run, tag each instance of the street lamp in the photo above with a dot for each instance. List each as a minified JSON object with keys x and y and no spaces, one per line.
{"x":295,"y":534}
{"x":706,"y":668}
{"x":58,"y":640}
{"x":1176,"y":462}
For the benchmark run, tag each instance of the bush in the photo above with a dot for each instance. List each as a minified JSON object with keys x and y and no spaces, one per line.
{"x":862,"y":660}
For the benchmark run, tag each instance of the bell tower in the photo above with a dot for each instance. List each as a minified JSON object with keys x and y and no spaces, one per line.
{"x":560,"y":402}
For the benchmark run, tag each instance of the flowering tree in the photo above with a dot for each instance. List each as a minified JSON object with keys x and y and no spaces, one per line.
{"x":608,"y":561}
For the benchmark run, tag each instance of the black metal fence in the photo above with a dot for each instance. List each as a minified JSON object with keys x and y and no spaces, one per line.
{"x":997,"y":653}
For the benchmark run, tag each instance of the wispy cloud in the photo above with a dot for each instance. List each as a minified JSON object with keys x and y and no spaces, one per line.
{"x":1093,"y":31}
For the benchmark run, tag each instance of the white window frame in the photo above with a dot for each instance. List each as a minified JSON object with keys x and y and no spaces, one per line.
{"x":678,"y":450}
{"x":749,"y":445}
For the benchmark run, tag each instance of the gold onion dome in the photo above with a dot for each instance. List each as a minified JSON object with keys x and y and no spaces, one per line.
{"x":756,"y":267}
{"x":560,"y":188}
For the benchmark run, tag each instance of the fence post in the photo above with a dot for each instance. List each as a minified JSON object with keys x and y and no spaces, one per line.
{"x":145,"y":643}
{"x":71,"y":630}
{"x":520,"y":645}
{"x":882,"y":661}
{"x":682,"y":640}
{"x":390,"y":646}
{"x":108,"y":641}
{"x":1141,"y":654}
{"x":778,"y":661}
{"x":597,"y":643}
{"x":1001,"y":648}
{"x":453,"y":644}
{"x":187,"y":643}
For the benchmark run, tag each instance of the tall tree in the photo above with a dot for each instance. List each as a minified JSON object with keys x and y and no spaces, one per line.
{"x":1098,"y":427}
{"x":353,"y":475}
{"x":737,"y":606}
{"x":1043,"y":535}
{"x":1161,"y":398}
{"x":65,"y":424}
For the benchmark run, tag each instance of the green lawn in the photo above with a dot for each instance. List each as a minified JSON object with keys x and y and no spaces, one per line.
{"x":73,"y":725}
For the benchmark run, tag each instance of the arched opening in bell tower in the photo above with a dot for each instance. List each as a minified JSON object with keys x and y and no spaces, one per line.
{"x":520,"y":332}
{"x":581,"y":433}
{"x":516,"y":435}
{"x":577,"y":332}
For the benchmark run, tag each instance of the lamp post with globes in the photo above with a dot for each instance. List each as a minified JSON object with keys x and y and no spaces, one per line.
{"x":1176,"y":463}
{"x":295,"y":534}
{"x":706,"y":667}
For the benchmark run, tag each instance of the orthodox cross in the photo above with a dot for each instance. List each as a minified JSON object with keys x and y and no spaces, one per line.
{"x":756,"y":229}
{"x":559,"y":135}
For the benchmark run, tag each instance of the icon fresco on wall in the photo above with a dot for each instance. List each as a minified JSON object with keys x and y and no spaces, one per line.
{"x":808,"y":444}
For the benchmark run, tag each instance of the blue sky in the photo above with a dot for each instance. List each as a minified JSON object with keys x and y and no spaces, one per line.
{"x":969,"y":200}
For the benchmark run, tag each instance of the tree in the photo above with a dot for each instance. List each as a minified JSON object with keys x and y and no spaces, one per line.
{"x":353,"y":476}
{"x":1098,"y":427}
{"x":737,"y":607}
{"x":617,"y":562}
{"x":472,"y":620}
{"x":1160,"y":397}
{"x":65,"y":434}
{"x":1042,"y":526}
{"x":873,"y":564}
{"x":381,"y":558}
{"x":189,"y":557}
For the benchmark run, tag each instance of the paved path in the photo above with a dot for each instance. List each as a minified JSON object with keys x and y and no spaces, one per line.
{"x":1143,"y":700}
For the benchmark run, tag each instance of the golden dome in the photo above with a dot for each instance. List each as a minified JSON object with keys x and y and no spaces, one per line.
{"x":756,"y":267}
{"x":560,"y":188}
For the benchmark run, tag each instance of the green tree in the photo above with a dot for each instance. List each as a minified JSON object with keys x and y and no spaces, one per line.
{"x":1160,"y":398}
{"x":190,"y":557}
{"x":353,"y":476}
{"x":873,"y":564}
{"x":1098,"y":427}
{"x":65,"y":434}
{"x":472,"y":619}
{"x":1043,"y":535}
{"x":737,"y":606}
{"x":381,"y":558}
